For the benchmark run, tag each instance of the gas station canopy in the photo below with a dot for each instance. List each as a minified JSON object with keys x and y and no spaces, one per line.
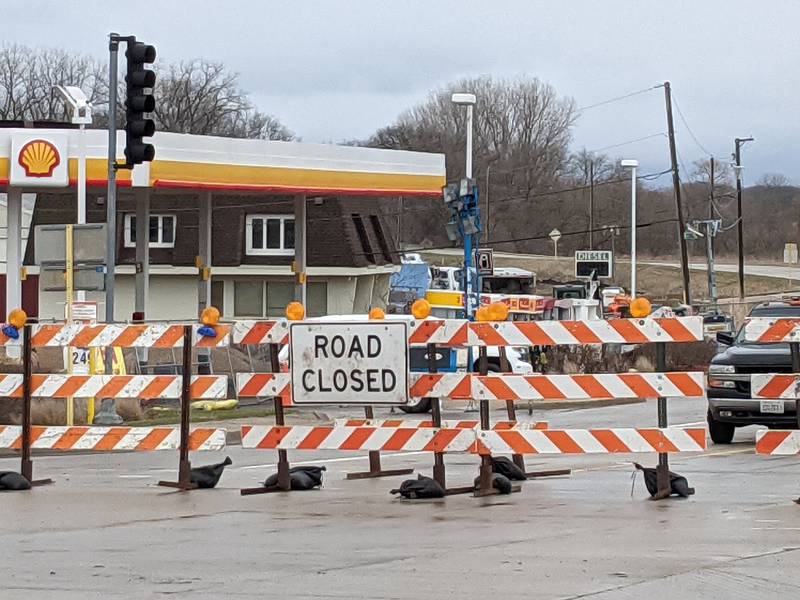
{"x":38,"y":158}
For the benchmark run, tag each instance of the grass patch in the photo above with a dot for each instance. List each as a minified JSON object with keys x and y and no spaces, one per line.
{"x":658,"y":282}
{"x":172,"y":416}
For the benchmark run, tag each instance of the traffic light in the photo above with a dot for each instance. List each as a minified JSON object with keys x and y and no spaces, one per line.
{"x":139,"y":83}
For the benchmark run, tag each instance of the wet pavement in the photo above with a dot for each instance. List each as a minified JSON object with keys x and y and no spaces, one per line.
{"x":104,"y":530}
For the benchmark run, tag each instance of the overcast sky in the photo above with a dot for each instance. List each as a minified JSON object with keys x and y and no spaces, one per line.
{"x":338,"y":70}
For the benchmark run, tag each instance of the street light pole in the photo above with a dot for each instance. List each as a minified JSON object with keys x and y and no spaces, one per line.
{"x":469,"y":101}
{"x":632,"y":164}
{"x":740,"y":226}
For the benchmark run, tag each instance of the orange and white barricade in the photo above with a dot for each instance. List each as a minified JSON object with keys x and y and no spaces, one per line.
{"x":777,"y":388}
{"x":27,"y":386}
{"x":440,"y":437}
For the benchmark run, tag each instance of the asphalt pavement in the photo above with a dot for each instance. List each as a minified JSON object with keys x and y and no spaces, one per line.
{"x":105,"y":530}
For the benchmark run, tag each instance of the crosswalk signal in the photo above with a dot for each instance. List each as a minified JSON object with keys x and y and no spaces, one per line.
{"x":139,"y":101}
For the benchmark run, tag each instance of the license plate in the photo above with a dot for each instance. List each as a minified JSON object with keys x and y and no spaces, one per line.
{"x":772,"y":406}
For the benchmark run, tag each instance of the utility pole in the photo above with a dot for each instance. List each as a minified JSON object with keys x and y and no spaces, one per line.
{"x":488,"y":213}
{"x":740,"y":225}
{"x":676,"y":183}
{"x":711,"y":196}
{"x":711,"y":228}
{"x":591,"y":204}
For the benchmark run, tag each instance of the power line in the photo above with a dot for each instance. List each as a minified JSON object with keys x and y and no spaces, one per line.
{"x":618,"y":98}
{"x":525,"y":239}
{"x":641,"y":139}
{"x":689,"y":129}
{"x":647,"y":177}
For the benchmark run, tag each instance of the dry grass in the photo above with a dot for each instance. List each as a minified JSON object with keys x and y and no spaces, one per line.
{"x":659,"y":283}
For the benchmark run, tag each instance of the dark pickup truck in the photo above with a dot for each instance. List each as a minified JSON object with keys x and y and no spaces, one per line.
{"x":730,"y":404}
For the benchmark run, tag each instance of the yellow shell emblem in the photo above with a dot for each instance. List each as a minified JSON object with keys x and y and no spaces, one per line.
{"x":39,"y":158}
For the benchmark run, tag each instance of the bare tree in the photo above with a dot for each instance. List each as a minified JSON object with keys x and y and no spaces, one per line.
{"x":27,"y":78}
{"x":522,"y":131}
{"x":191,"y":97}
{"x":774,"y":180}
{"x":723,"y":173}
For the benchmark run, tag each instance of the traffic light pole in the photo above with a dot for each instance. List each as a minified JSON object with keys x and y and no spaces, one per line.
{"x":111,"y":196}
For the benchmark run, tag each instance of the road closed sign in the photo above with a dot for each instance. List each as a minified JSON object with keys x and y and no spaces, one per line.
{"x":349,"y":363}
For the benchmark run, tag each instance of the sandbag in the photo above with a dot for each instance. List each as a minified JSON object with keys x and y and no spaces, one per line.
{"x":679,"y":486}
{"x":208,"y":476}
{"x":419,"y":488}
{"x":13,"y":482}
{"x":506,"y":467}
{"x":499,"y":482}
{"x":300,"y":478}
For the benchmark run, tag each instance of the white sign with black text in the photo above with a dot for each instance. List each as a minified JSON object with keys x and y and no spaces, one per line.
{"x":349,"y":363}
{"x":599,"y":262}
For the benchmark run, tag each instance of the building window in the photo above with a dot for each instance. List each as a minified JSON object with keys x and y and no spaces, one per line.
{"x":161,"y":231}
{"x":248,"y":298}
{"x":316,"y":298}
{"x":218,"y":295}
{"x":377,"y":228}
{"x":363,"y":238}
{"x":270,"y":234}
{"x":268,"y":299}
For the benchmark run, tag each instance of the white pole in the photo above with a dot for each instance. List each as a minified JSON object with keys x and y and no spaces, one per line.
{"x":13,"y":257}
{"x":469,"y":141}
{"x":81,"y":295}
{"x":633,"y":232}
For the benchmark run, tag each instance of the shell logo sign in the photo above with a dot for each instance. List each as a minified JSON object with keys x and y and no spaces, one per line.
{"x":39,"y":160}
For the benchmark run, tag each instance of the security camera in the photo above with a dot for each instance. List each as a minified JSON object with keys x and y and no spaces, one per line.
{"x":78,"y":102}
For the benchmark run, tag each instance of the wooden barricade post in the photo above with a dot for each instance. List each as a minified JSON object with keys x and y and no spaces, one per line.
{"x":26,"y":463}
{"x":184,"y":466}
{"x":511,"y":412}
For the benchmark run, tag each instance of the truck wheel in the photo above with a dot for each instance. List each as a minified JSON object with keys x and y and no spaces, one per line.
{"x":417,"y":405}
{"x":721,"y":433}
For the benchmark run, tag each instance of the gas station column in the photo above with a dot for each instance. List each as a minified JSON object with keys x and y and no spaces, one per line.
{"x":13,"y":256}
{"x":204,"y":252}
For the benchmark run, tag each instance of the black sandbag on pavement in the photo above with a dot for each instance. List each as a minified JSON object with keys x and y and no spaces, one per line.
{"x":679,"y":486}
{"x":420,"y":488}
{"x":300,"y":478}
{"x":11,"y":481}
{"x":208,"y":476}
{"x":499,"y":482}
{"x":506,"y":467}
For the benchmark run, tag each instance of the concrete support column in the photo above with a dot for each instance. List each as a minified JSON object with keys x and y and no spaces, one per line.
{"x":13,"y":256}
{"x":142,"y":283}
{"x":300,"y":249}
{"x":204,"y":249}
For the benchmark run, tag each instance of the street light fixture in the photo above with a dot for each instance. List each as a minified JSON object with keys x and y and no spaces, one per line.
{"x":632,"y":164}
{"x":468,"y":100}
